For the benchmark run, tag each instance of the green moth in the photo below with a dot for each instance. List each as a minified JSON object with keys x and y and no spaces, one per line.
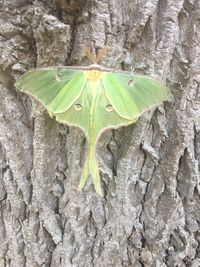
{"x":93,"y":98}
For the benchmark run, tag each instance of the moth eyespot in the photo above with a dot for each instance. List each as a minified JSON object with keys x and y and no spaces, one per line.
{"x":78,"y":107}
{"x":58,"y":77}
{"x":109,"y":108}
{"x":131,"y":83}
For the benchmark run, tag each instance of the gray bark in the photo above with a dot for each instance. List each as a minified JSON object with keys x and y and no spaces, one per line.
{"x":150,"y":212}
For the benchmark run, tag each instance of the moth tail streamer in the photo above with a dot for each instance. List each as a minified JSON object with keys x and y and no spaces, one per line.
{"x":91,"y":168}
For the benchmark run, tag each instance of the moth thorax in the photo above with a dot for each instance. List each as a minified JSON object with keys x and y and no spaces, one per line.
{"x":93,"y":75}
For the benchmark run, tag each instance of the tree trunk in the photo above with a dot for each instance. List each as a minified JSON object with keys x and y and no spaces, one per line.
{"x":150,"y":212}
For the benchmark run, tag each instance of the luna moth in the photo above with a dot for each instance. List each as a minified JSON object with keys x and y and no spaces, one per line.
{"x":94,"y":98}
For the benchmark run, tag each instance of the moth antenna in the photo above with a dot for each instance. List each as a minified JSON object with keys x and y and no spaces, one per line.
{"x":90,"y":53}
{"x":101,"y":53}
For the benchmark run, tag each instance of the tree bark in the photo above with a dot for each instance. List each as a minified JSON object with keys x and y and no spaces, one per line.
{"x":150,"y":212}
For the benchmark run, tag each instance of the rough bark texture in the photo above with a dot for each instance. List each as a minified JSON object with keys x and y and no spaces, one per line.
{"x":150,"y":213}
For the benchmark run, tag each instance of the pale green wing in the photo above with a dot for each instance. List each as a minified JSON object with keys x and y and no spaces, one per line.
{"x":93,"y":113}
{"x":56,"y":89}
{"x":131,"y":95}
